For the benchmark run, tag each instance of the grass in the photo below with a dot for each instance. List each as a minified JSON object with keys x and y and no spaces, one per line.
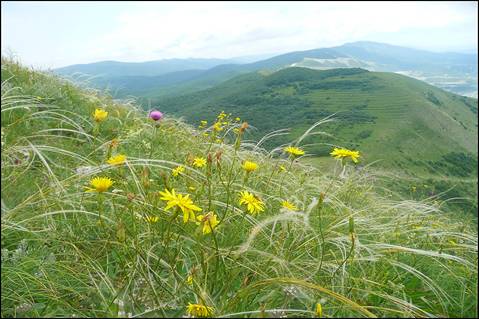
{"x":71,"y":253}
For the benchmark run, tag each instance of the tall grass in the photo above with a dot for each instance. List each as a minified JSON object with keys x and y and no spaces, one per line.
{"x":67,"y":252}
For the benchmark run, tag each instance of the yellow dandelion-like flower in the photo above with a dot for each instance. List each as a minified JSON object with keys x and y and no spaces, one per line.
{"x":117,"y":160}
{"x":100,"y":184}
{"x":319,"y":310}
{"x":178,"y":170}
{"x":289,"y":206}
{"x":100,"y":115}
{"x":253,"y":204}
{"x":199,"y":162}
{"x":183,"y":202}
{"x":152,"y":219}
{"x":217,"y":127}
{"x":340,"y":153}
{"x":209,"y":221}
{"x":189,"y":280}
{"x":200,"y":311}
{"x":237,"y":119}
{"x":249,"y":166}
{"x":294,"y":151}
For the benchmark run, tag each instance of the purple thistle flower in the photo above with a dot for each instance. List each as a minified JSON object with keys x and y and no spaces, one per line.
{"x":156,"y":115}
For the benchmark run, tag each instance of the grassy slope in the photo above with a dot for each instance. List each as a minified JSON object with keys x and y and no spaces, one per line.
{"x":407,"y":125}
{"x":406,"y":258}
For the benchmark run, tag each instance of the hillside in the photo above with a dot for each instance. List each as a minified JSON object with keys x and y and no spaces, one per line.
{"x":389,"y":116}
{"x":310,"y":242}
{"x":454,"y":72}
{"x":412,"y":129}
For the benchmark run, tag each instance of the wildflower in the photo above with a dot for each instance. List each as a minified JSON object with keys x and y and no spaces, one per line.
{"x":294,"y":151}
{"x":200,"y":311}
{"x":222,"y":115}
{"x":319,"y":310}
{"x":189,"y":280}
{"x":100,"y":184}
{"x":199,"y":162}
{"x":249,"y":166}
{"x":100,"y":115}
{"x":206,"y":134}
{"x":114,"y":143}
{"x":209,"y":221}
{"x":289,"y":206}
{"x":178,"y":170}
{"x":217,"y":127}
{"x":219,"y":141}
{"x":243,"y":127}
{"x":254,"y":204}
{"x":342,"y":152}
{"x":183,"y":202}
{"x":117,"y":160}
{"x":152,"y":219}
{"x":156,"y":115}
{"x":204,"y":123}
{"x":237,"y":119}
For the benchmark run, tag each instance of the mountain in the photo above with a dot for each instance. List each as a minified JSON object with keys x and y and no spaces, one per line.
{"x":454,"y":72}
{"x":109,"y":69}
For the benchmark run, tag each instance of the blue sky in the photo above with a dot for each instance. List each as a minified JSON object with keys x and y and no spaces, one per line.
{"x":54,"y":34}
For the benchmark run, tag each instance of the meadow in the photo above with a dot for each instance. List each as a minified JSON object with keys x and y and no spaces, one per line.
{"x":112,"y":211}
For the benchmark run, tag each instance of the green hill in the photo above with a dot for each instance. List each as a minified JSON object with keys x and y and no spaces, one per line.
{"x":414,"y":130}
{"x":74,"y":248}
{"x":392,"y":118}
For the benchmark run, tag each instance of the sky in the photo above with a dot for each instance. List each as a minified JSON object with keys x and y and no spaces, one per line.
{"x":55,"y":34}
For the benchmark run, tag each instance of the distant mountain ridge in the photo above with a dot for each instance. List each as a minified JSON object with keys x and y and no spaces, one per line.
{"x":455,"y":72}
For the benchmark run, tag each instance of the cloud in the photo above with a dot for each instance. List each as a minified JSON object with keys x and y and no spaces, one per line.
{"x":147,"y":31}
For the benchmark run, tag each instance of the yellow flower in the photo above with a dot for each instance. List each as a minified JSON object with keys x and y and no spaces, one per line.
{"x":199,"y":162}
{"x":289,"y":206}
{"x":217,"y":127}
{"x":203,"y":124}
{"x":294,"y":151}
{"x":100,"y":184}
{"x":209,"y":221}
{"x":189,"y":280}
{"x":342,"y":152}
{"x":249,"y":166}
{"x":319,"y":310}
{"x":237,"y":119}
{"x":100,"y":115}
{"x":178,"y":170}
{"x":117,"y":160}
{"x":183,"y":202}
{"x":200,"y":311}
{"x":253,"y":204}
{"x":152,"y":219}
